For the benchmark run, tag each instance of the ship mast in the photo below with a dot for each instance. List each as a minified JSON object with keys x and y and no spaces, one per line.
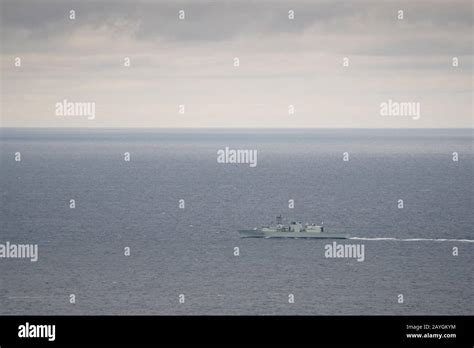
{"x":278,"y":220}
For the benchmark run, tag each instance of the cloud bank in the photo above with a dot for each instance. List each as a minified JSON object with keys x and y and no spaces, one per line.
{"x":190,"y":62}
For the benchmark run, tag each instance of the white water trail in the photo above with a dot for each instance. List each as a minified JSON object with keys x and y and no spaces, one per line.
{"x":416,"y":239}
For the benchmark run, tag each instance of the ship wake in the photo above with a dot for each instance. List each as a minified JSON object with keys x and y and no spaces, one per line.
{"x":415,"y":239}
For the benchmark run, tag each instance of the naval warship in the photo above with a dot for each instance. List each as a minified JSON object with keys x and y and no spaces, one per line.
{"x":293,"y":230}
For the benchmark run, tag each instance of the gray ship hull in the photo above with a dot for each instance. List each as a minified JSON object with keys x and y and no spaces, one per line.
{"x":271,"y":234}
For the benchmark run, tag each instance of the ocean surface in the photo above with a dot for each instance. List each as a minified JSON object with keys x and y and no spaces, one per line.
{"x":191,"y":251}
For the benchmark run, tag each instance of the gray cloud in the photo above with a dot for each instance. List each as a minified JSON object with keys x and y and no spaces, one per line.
{"x":427,"y":24}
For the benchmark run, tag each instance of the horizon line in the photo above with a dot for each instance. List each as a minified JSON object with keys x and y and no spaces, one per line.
{"x":243,"y":128}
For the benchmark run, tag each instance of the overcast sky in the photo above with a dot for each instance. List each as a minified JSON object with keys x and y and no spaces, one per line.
{"x":282,"y":62}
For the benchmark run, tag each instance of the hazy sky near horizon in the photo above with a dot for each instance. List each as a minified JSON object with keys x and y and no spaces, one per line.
{"x":282,"y":62}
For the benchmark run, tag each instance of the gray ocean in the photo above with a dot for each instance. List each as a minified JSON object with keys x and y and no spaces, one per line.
{"x":190,"y":251}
